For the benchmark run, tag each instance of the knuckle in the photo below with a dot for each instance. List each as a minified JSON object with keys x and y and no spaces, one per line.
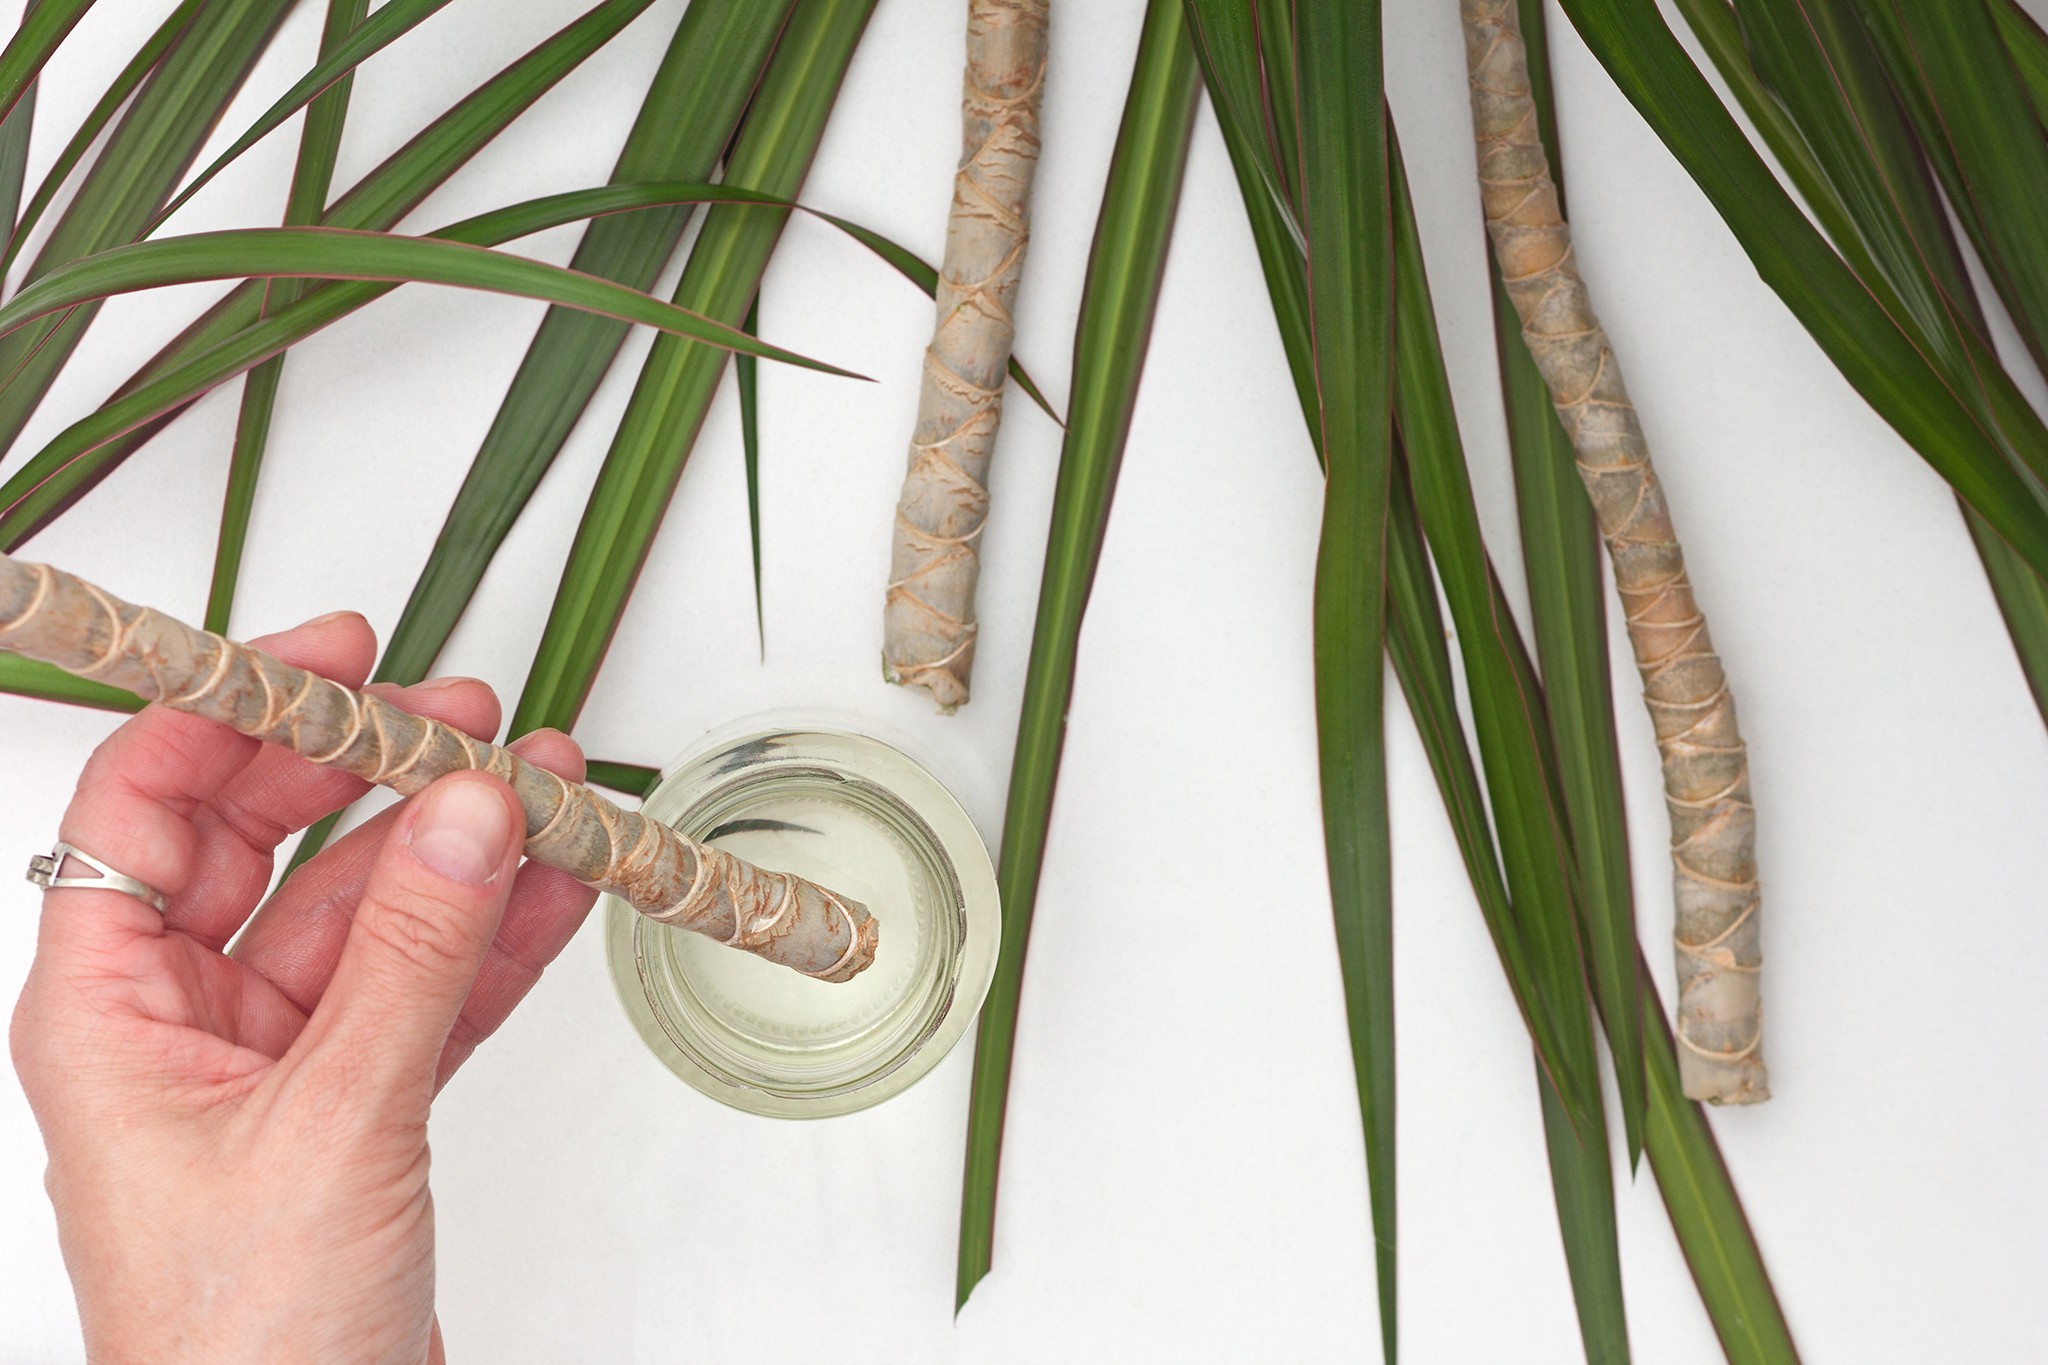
{"x":24,"y":1040}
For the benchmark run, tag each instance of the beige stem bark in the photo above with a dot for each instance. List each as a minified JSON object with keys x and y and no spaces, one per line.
{"x":928,"y":617}
{"x":50,"y":615}
{"x":1706,"y":769}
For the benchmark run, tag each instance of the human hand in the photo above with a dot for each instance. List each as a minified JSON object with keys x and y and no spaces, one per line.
{"x":238,"y":1153}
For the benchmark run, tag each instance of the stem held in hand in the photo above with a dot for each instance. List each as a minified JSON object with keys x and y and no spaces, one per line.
{"x":49,"y":615}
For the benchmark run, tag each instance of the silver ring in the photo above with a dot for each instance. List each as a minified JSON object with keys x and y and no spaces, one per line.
{"x":43,"y":870}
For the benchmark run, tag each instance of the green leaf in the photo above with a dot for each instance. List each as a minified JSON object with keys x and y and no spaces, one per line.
{"x":1582,"y":1181}
{"x":1344,"y":194}
{"x":331,"y":253}
{"x":1917,"y":277}
{"x":1869,"y":147}
{"x":312,"y":177}
{"x":1568,"y":618}
{"x":405,"y":178}
{"x":1882,"y":361}
{"x":713,"y":63}
{"x":340,"y":54}
{"x":679,"y":379}
{"x":1507,"y":710}
{"x":77,"y":457}
{"x":44,"y":27}
{"x":925,"y":276}
{"x":1416,"y":645}
{"x":143,"y":158}
{"x":1705,"y":1211}
{"x":1858,"y":166}
{"x":1713,"y":24}
{"x":629,"y":778}
{"x":1119,"y":295}
{"x":1227,"y":34}
{"x":744,"y":376}
{"x":1228,"y":56}
{"x":1416,"y":633}
{"x":124,"y":83}
{"x":47,"y":682}
{"x":397,"y":186}
{"x":2027,"y":46}
{"x":14,"y":135}
{"x":2022,"y":600}
{"x":1976,"y":122}
{"x":1580,"y":1166}
{"x":1277,"y":40}
{"x":1821,"y":67}
{"x":381,"y":198}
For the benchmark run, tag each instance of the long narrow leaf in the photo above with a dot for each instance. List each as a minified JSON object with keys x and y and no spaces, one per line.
{"x":143,"y":158}
{"x":1507,"y":711}
{"x":1714,"y":24}
{"x":312,"y":178}
{"x":1866,"y":144}
{"x":1275,"y":20}
{"x":713,"y":64}
{"x":1120,"y":293}
{"x":654,"y":439}
{"x":1582,"y":1182}
{"x":1568,"y":618}
{"x":339,"y":57}
{"x":1345,"y":219}
{"x":1822,"y":67}
{"x":1977,"y":124}
{"x":1229,"y":61}
{"x":1881,"y":361}
{"x":47,"y":682}
{"x":2022,"y":596}
{"x":44,"y":26}
{"x":1416,"y":646}
{"x":1416,"y":630}
{"x":14,"y":135}
{"x":78,"y":456}
{"x":330,"y":253}
{"x":1706,"y":1213}
{"x":2027,"y":45}
{"x":630,"y":778}
{"x":379,"y":200}
{"x":746,"y":378}
{"x":123,"y":85}
{"x":1560,"y":551}
{"x":1580,"y":1167}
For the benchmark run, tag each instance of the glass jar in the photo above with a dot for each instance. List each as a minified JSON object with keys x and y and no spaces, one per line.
{"x":859,"y":817}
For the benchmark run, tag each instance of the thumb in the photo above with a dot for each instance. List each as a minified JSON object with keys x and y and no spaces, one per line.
{"x":421,"y":932}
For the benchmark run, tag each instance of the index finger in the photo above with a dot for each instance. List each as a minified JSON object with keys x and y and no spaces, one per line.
{"x":133,"y":807}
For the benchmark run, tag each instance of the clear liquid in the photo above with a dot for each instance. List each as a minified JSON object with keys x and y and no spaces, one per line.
{"x":852,"y":814}
{"x":839,"y":845}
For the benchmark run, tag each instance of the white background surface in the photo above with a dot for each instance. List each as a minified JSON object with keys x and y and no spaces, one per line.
{"x":1183,"y":1178}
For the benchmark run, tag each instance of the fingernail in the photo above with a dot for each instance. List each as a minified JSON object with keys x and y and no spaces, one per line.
{"x":329,"y":619}
{"x":461,"y":831}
